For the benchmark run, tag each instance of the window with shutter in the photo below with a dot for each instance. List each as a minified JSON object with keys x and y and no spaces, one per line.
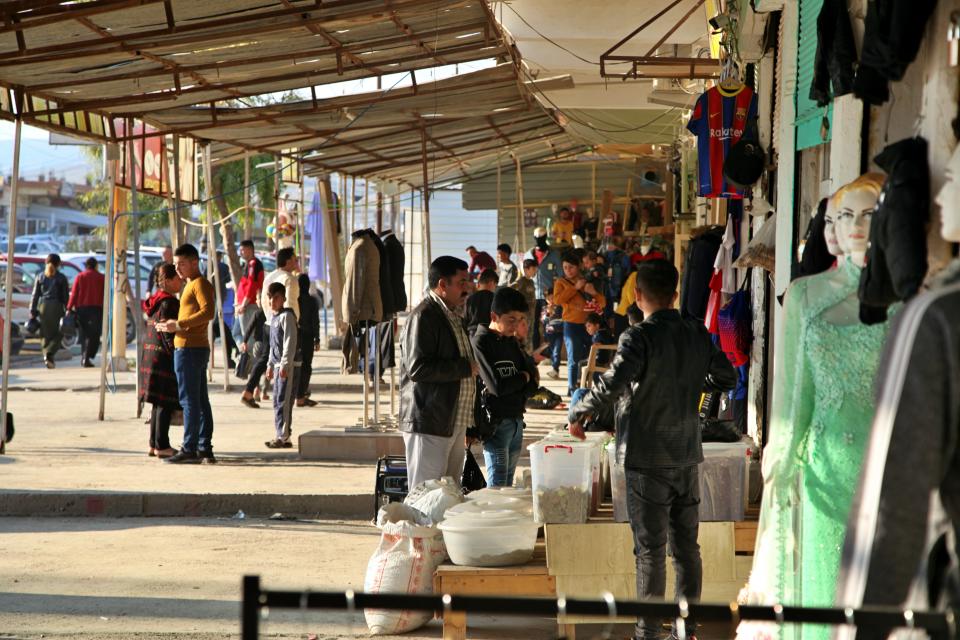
{"x":809,"y":115}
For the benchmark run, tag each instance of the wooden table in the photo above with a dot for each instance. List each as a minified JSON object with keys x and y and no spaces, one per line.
{"x":531,"y":579}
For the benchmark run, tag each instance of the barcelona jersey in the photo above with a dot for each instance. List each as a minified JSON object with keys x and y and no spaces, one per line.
{"x":718,"y":121}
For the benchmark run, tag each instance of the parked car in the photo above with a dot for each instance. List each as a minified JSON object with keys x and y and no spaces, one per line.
{"x":34,"y":247}
{"x":34,"y":265}
{"x":22,"y":292}
{"x":77,"y":259}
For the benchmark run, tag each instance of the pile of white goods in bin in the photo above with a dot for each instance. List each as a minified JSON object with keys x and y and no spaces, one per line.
{"x":567,"y":477}
{"x":492,"y":528}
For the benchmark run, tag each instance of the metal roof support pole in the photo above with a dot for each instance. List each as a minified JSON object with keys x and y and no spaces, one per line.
{"x":276,"y":206}
{"x":521,"y":244}
{"x":109,"y":268}
{"x":8,"y":282}
{"x":134,"y":209}
{"x":248,"y":224}
{"x":213,"y":267}
{"x":426,"y":198}
{"x":499,"y":194}
{"x":302,"y":218}
{"x":366,"y":203}
{"x":174,"y":197}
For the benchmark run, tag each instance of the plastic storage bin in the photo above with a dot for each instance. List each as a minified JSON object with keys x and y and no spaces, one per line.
{"x":596,"y":440}
{"x":562,"y":477}
{"x":489,"y":538}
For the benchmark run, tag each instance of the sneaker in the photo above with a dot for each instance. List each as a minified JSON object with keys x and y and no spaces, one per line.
{"x":50,"y":363}
{"x":273,"y":444}
{"x":183,"y":457}
{"x":553,"y":374}
{"x":249,"y":402}
{"x":206,"y":456}
{"x":86,"y":364}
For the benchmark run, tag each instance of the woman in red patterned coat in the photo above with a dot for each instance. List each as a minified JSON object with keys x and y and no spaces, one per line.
{"x":158,"y":382}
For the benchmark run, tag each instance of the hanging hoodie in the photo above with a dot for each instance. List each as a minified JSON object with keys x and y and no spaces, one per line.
{"x":897,"y":257}
{"x":892,"y":36}
{"x":836,"y":53}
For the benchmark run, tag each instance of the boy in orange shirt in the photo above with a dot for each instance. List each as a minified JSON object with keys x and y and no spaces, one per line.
{"x":577,"y":297}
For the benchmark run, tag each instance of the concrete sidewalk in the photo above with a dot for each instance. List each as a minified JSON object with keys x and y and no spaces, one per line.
{"x":63,"y":461}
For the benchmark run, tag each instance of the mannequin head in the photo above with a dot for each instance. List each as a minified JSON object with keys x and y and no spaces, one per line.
{"x":948,"y":198}
{"x":829,"y":229}
{"x":853,"y":204}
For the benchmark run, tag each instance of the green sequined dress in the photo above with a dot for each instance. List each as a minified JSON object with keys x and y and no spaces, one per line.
{"x":822,"y":411}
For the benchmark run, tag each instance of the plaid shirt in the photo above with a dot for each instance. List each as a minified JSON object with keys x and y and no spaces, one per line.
{"x":463,"y":415}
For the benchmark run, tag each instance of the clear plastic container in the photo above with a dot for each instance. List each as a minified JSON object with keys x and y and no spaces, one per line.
{"x":562,"y":480}
{"x":596,"y":440}
{"x":618,"y":484}
{"x":499,"y":538}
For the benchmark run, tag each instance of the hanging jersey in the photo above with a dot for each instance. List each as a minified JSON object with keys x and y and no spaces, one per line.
{"x":718,"y":121}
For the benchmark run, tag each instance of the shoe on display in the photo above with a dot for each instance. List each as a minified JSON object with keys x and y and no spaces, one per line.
{"x":183,"y":457}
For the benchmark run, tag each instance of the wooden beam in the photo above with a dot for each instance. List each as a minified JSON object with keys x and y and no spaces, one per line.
{"x":46,"y":12}
{"x":304,"y":76}
{"x":426,"y":196}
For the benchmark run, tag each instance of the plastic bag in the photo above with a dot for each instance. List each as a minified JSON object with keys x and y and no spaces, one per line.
{"x":434,"y":497}
{"x":473,"y":479}
{"x":409,"y":552}
{"x":761,"y":252}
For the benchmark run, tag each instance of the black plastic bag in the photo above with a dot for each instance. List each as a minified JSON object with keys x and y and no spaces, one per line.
{"x":483,"y":424}
{"x":68,"y":324}
{"x":243,"y":365}
{"x":543,"y":399}
{"x":472,"y":479}
{"x":713,"y":430}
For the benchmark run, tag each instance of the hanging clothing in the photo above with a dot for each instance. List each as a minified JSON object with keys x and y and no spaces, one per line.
{"x":361,"y":300}
{"x":719,"y":119}
{"x":698,"y":270}
{"x":913,"y":461}
{"x":386,"y":290}
{"x":836,"y":54}
{"x":725,"y":257}
{"x":897,"y":257}
{"x":822,"y":409}
{"x":317,"y":267}
{"x":893,"y":31}
{"x":396,"y":261}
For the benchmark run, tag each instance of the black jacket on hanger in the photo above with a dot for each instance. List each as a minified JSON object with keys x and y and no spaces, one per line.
{"x":697,"y":271}
{"x":912,"y":455}
{"x":396,"y":262}
{"x":836,"y":53}
{"x":892,"y":36}
{"x":816,"y":257}
{"x":897,"y":257}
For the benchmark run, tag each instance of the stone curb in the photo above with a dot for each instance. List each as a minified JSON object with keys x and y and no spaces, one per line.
{"x":121,"y":505}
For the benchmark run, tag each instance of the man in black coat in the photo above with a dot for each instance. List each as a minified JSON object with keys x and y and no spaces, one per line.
{"x":437,"y":371}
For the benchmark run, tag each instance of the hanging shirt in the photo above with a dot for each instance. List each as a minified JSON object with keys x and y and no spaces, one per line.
{"x":718,"y":121}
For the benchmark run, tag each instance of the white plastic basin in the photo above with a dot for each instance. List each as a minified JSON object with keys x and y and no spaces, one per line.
{"x":489,"y":538}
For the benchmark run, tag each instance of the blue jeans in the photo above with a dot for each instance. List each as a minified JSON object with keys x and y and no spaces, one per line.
{"x":190,"y":365}
{"x":555,"y":348}
{"x":577,"y":341}
{"x":502,"y":452}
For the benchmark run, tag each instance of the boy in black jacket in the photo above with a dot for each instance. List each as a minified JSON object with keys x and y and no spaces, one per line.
{"x":509,"y":377}
{"x":661,"y":367}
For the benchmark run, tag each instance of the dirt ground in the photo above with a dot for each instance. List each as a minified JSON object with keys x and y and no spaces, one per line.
{"x":91,"y":578}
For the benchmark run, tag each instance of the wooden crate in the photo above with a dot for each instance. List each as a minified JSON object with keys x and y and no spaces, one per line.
{"x":531,"y":579}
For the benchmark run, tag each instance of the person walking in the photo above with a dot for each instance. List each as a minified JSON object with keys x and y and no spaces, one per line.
{"x":549,"y":268}
{"x":437,"y":377}
{"x":282,"y":365}
{"x":49,"y":303}
{"x":158,"y":380}
{"x":190,"y":357}
{"x":574,"y":294}
{"x":86,"y":299}
{"x":248,"y":296}
{"x":661,"y":367}
{"x":309,"y":340}
{"x":509,"y":377}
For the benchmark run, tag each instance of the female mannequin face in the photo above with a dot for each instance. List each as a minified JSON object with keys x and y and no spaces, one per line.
{"x":852,"y":221}
{"x":830,"y":230}
{"x":949,"y":200}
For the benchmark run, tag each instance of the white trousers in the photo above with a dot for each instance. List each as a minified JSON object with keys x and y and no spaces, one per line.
{"x":432,"y":457}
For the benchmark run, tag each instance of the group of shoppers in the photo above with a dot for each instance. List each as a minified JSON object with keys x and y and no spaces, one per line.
{"x":662,"y":365}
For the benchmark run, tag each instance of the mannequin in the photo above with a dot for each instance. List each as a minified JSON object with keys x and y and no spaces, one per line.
{"x":900,"y":548}
{"x":820,"y":423}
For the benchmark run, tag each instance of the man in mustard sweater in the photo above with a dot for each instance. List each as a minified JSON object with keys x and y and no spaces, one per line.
{"x":192,"y":351}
